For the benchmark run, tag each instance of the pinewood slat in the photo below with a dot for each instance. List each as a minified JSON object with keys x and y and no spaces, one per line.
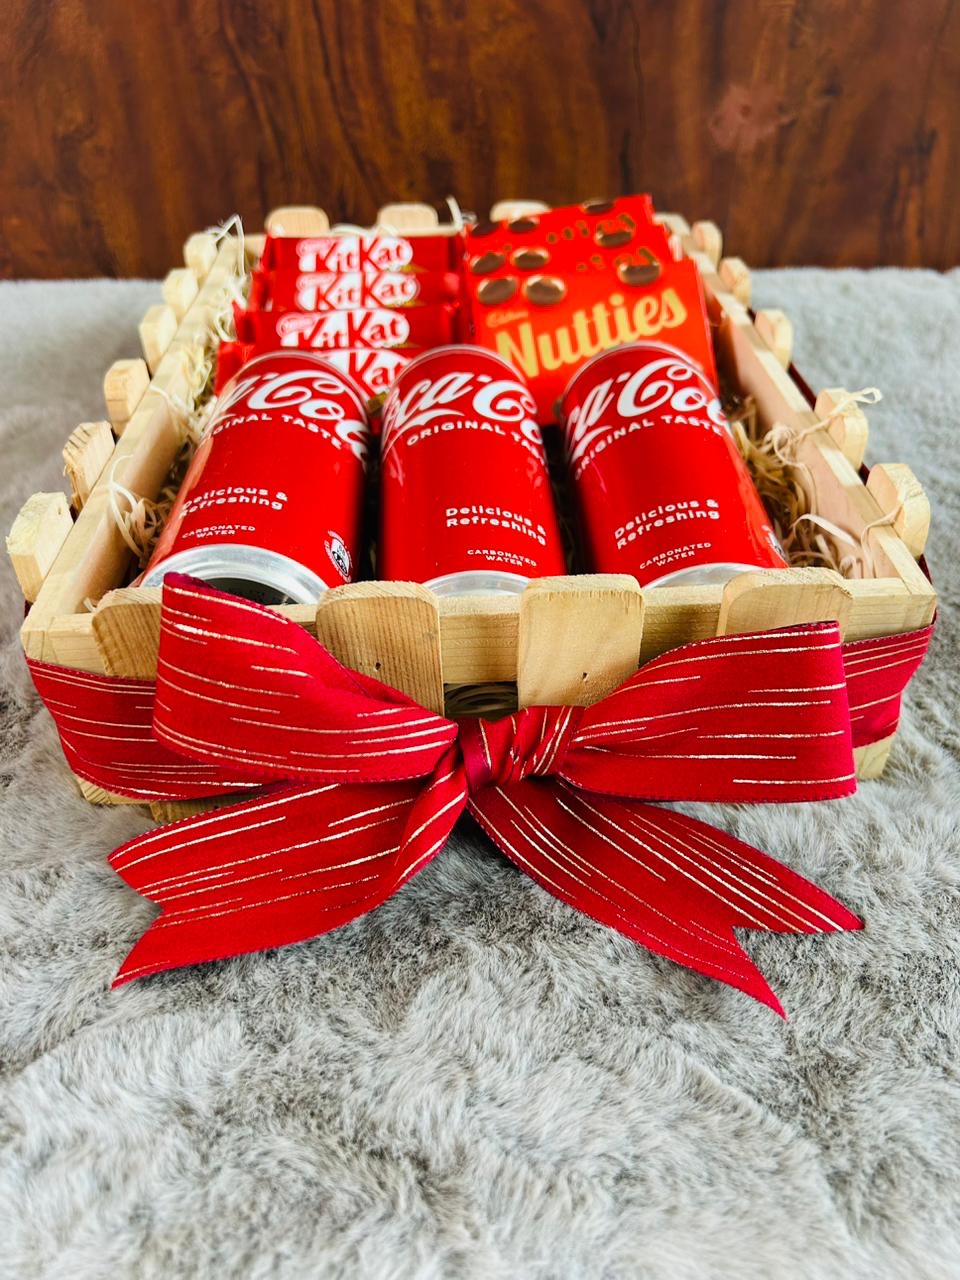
{"x":35,"y":539}
{"x":85,"y":455}
{"x":388,"y":630}
{"x":579,"y":638}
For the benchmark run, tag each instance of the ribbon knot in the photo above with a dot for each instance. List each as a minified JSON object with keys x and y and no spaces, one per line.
{"x":530,"y":743}
{"x":358,"y":787}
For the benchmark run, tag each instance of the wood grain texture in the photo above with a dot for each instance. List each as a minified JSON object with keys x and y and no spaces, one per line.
{"x":85,"y":454}
{"x":389,"y":631}
{"x":810,"y":131}
{"x":579,"y":638}
{"x":34,"y":542}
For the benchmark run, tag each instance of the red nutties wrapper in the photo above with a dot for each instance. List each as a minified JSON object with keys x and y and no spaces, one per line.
{"x":549,"y":291}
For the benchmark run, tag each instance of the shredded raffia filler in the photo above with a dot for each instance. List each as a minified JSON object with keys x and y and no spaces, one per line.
{"x":140,"y":520}
{"x":785,"y":483}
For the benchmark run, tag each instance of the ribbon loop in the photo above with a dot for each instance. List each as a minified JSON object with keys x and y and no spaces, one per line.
{"x":243,"y":686}
{"x":755,"y":717}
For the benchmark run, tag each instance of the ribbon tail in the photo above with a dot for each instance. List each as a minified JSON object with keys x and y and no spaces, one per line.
{"x":288,"y":866}
{"x":106,"y":730}
{"x":674,"y":884}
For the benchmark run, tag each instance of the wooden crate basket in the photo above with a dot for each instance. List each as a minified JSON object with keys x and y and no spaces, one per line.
{"x":564,"y":640}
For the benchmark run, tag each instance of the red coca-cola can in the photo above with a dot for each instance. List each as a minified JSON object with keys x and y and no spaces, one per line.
{"x":271,"y":504}
{"x":662,"y":490}
{"x":466,"y":503}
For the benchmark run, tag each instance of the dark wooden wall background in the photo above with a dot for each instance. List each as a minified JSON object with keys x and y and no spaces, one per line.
{"x":813,"y":131}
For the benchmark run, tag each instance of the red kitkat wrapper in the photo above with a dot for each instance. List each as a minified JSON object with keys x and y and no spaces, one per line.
{"x":231,"y":356}
{"x":549,"y":291}
{"x":374,"y":369}
{"x":283,"y":290}
{"x":413,"y":328}
{"x":361,"y":251}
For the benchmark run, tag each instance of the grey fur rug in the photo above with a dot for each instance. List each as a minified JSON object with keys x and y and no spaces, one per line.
{"x":473,"y":1081}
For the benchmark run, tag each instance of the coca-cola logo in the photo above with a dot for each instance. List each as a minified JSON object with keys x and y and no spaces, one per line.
{"x":463,"y":395}
{"x":316,"y":394}
{"x":352,"y":253}
{"x":671,"y":382}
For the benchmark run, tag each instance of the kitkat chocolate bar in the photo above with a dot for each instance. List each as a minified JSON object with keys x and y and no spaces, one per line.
{"x":284,"y":290}
{"x":341,"y":252}
{"x":414,"y":328}
{"x":549,"y":291}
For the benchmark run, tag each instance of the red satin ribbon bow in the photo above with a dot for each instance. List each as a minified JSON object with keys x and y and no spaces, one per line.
{"x":361,"y":786}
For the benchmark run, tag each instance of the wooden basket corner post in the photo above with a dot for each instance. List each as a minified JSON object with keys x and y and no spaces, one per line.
{"x":36,"y":538}
{"x":126,"y":631}
{"x":200,"y":253}
{"x":124,"y":386}
{"x":297,"y":220}
{"x":85,"y":455}
{"x":768,"y":598}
